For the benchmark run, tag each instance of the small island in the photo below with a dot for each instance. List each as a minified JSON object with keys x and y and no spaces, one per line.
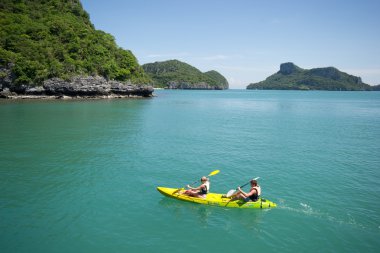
{"x":174,"y":74}
{"x":292,"y":77}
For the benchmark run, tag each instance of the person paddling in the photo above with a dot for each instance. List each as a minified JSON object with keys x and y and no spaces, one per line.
{"x":199,"y":191}
{"x":253,"y":194}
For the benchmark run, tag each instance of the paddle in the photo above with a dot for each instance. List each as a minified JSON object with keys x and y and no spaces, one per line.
{"x":232,"y":192}
{"x":209,"y":175}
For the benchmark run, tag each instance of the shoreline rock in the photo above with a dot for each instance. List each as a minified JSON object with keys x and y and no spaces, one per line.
{"x":173,"y":85}
{"x":78,"y":87}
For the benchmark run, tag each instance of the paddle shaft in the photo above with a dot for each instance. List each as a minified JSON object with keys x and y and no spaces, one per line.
{"x":244,"y":185}
{"x":193,"y":183}
{"x":247,"y":183}
{"x":209,"y":175}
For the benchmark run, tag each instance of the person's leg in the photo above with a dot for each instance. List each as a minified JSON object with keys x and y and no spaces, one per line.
{"x":237,"y":196}
{"x":193,"y":194}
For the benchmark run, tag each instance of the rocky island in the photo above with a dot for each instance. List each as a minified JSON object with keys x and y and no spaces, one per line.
{"x":50,"y":49}
{"x":174,"y":74}
{"x":77,"y":87}
{"x":292,"y":77}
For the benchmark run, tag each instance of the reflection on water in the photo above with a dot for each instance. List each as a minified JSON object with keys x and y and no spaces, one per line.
{"x":206,"y":216}
{"x":180,"y":209}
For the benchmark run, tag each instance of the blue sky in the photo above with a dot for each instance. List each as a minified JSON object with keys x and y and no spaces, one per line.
{"x":247,"y":40}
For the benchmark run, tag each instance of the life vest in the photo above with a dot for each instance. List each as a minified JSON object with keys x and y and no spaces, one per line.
{"x":205,"y":189}
{"x":255,"y":197}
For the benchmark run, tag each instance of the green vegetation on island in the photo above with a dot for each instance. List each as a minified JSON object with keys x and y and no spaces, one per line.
{"x":43,"y":39}
{"x":292,"y":77}
{"x":174,"y":74}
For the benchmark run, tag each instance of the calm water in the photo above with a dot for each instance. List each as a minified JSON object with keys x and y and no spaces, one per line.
{"x":81,"y":176}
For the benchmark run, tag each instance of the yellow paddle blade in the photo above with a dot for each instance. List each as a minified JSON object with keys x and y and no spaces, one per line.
{"x":214,"y":172}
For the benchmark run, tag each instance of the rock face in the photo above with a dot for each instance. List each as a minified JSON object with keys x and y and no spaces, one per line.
{"x":288,"y":68}
{"x":78,"y":87}
{"x":334,"y":74}
{"x":292,"y":77}
{"x":6,"y":76}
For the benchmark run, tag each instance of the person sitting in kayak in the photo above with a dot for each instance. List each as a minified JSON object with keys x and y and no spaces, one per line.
{"x":253,"y":194}
{"x":199,"y":191}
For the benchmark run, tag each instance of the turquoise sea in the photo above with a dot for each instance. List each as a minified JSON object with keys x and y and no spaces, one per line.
{"x":81,"y":175}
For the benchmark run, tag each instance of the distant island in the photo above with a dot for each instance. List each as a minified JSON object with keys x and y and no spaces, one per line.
{"x":50,"y":48}
{"x":174,"y":74}
{"x":292,"y":77}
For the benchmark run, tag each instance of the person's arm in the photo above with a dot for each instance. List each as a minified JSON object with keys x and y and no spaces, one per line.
{"x":246,"y":195}
{"x":197,"y":188}
{"x":249,"y":194}
{"x":242,"y":192}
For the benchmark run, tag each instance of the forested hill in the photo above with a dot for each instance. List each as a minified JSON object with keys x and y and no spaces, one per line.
{"x":42,"y":39}
{"x":292,"y":77}
{"x":174,"y":74}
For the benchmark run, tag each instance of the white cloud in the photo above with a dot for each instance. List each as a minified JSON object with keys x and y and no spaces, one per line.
{"x":220,"y":57}
{"x":214,"y":57}
{"x":167,"y":55}
{"x":246,"y":69}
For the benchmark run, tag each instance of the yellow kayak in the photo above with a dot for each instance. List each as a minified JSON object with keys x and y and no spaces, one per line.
{"x":215,"y":199}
